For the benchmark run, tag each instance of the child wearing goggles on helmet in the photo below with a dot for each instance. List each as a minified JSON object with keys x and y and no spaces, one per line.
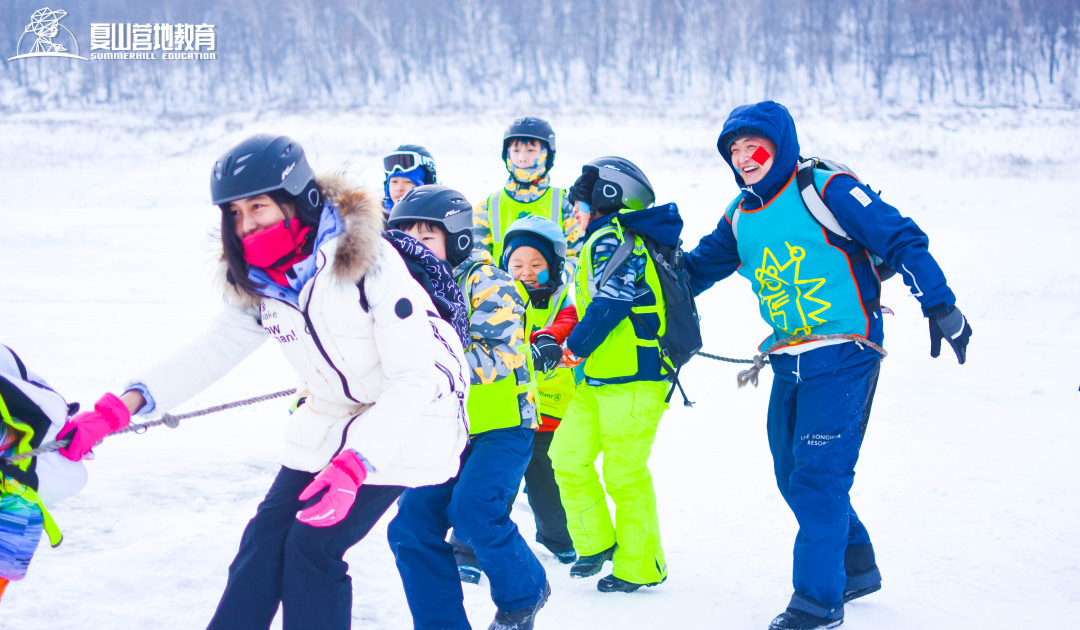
{"x":408,"y":166}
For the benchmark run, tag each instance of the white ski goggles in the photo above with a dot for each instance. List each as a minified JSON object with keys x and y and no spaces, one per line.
{"x":401,"y":161}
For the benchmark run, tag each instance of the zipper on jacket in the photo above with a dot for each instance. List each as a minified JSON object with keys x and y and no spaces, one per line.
{"x":309,"y":327}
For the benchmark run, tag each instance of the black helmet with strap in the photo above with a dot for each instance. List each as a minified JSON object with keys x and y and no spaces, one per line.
{"x":531,"y":128}
{"x":443,"y":206}
{"x":262,"y":164}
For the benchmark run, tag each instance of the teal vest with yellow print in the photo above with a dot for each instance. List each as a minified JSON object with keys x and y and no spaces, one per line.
{"x":503,"y":210}
{"x":495,"y":405}
{"x":617,"y":355}
{"x":804,"y":285}
{"x":555,"y":388}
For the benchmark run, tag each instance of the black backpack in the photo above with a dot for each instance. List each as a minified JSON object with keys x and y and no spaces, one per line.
{"x":682,"y":338}
{"x":815,"y":205}
{"x":435,"y":276}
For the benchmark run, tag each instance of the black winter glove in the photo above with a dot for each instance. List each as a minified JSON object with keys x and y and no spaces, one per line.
{"x":950,"y":325}
{"x":546,"y":353}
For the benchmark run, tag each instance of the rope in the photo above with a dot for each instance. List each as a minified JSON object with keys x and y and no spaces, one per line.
{"x":168,"y":419}
{"x":751,"y":375}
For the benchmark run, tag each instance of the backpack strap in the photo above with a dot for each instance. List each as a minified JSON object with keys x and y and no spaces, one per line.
{"x":733,"y":213}
{"x":804,"y":177}
{"x":618,"y":257}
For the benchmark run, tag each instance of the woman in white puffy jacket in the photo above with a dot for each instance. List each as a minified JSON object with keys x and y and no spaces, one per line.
{"x":304,"y":263}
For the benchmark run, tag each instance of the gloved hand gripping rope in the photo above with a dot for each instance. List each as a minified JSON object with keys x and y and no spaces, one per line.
{"x":168,"y":419}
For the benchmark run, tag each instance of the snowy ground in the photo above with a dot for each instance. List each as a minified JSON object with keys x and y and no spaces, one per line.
{"x":965,"y":479}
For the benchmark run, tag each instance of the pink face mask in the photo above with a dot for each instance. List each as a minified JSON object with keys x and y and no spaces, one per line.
{"x":276,"y":245}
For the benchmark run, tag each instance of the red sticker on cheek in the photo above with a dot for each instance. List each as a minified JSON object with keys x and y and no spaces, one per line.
{"x":761,"y":156}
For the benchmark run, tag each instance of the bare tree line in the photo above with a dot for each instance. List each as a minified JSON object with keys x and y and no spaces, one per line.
{"x":428,"y":54}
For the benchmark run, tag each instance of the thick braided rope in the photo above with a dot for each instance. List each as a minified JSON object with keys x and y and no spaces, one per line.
{"x":168,"y":419}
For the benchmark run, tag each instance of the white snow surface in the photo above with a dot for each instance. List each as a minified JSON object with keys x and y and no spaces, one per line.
{"x":964,"y":481}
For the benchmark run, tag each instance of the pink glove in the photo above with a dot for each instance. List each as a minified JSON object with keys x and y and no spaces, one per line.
{"x":342,"y":477}
{"x":90,"y":427}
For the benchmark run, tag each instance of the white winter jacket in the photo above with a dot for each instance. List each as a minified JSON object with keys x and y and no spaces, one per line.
{"x":389,"y":383}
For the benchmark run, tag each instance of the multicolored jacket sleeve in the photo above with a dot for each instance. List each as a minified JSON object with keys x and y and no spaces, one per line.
{"x":496,"y":326}
{"x":613,"y":300}
{"x":482,"y":237}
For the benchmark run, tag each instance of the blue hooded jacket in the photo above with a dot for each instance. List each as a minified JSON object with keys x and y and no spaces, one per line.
{"x":618,"y":296}
{"x":875,"y":225}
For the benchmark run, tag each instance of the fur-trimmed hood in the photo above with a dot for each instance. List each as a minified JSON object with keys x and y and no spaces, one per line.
{"x":357,"y":247}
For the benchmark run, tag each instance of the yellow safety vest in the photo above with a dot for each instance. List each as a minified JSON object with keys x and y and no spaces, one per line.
{"x":617,"y":355}
{"x":495,"y":405}
{"x":504,"y":210}
{"x":556,"y":387}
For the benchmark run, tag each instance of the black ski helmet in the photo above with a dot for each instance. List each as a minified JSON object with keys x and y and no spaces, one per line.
{"x":617,"y":183}
{"x":529,"y":127}
{"x":428,"y":165}
{"x":262,"y":164}
{"x":444,"y":206}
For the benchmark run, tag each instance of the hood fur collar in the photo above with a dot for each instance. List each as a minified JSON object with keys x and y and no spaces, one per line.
{"x":358,"y":246}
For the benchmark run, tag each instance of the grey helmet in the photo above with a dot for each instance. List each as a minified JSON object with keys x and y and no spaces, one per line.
{"x":618,"y":184}
{"x":434,"y":203}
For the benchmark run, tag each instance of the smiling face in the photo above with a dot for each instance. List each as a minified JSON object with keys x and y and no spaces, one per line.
{"x":255,"y":214}
{"x":525,"y":264}
{"x":581,"y":214}
{"x":752,"y":157}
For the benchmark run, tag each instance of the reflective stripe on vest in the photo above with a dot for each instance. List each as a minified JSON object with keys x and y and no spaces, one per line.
{"x":616,"y":356}
{"x":515,"y":210}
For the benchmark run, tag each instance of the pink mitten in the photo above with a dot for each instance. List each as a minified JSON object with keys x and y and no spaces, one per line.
{"x":90,"y":427}
{"x":342,"y":477}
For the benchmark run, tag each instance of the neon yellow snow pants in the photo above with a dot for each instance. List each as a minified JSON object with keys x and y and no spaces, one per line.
{"x":620,"y":421}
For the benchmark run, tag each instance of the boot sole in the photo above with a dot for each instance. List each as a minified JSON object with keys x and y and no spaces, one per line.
{"x":850,"y":595}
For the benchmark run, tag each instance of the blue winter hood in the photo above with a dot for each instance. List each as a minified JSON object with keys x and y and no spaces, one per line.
{"x":770,"y":120}
{"x":662,"y":224}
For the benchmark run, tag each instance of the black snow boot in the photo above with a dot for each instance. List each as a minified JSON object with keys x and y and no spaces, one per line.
{"x":863,"y":576}
{"x":520,"y":619}
{"x":612,"y":584}
{"x":591,"y":565}
{"x":795,"y":619}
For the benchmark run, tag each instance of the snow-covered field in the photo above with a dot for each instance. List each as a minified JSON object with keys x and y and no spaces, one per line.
{"x":966,"y":480}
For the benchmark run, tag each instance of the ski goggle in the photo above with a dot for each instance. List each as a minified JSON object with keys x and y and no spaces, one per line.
{"x":405,"y":161}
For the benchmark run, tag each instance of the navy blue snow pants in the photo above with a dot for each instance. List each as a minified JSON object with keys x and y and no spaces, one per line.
{"x":474,"y":504}
{"x":818,"y":411}
{"x":282,"y":560}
